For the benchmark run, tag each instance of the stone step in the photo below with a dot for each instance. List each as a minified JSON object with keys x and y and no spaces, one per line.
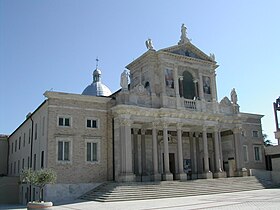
{"x":113,"y":191}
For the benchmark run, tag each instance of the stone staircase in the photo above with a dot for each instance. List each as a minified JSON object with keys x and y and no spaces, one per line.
{"x":114,"y":191}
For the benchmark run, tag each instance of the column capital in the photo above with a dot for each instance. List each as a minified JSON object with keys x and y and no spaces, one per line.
{"x":181,"y":78}
{"x":217,"y":128}
{"x":155,"y":124}
{"x":179,"y":126}
{"x":125,"y":122}
{"x":164,"y":124}
{"x":143,"y":131}
{"x":196,"y":134}
{"x":237,"y":130}
{"x":204,"y":129}
{"x":135,"y":130}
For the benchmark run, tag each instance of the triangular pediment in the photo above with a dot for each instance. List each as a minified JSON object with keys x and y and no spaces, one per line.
{"x":189,"y":50}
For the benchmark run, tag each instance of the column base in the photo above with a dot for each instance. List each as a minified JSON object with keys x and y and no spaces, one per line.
{"x":156,"y":177}
{"x":242,"y":172}
{"x":167,"y":177}
{"x":206,"y":175}
{"x":194,"y":176}
{"x":146,"y":178}
{"x":182,"y":176}
{"x":220,"y":174}
{"x":128,"y":177}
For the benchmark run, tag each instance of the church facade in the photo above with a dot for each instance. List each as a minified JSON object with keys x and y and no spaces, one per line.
{"x":165,"y":123}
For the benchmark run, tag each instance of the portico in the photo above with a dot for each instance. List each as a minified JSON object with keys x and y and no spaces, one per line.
{"x":166,"y":148}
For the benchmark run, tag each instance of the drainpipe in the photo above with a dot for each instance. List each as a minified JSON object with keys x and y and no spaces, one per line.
{"x":113,"y":145}
{"x":31,"y":152}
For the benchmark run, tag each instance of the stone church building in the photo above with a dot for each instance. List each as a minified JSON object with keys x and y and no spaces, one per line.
{"x":165,"y":123}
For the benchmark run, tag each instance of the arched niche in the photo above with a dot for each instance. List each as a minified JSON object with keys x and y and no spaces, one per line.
{"x":188,"y":85}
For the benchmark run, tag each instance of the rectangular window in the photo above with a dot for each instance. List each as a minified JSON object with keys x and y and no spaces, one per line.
{"x":43,"y":127}
{"x":34,"y":162}
{"x":33,"y":194}
{"x":24,"y":140}
{"x":29,"y":136}
{"x":42,"y":159}
{"x":15,"y":165}
{"x":18,"y":166}
{"x":63,"y":151}
{"x":22,"y":167}
{"x":64,"y":121}
{"x":257,"y":153}
{"x":255,"y":134}
{"x":28,"y":162}
{"x":11,"y":168}
{"x":245,"y":153}
{"x":92,"y":123}
{"x":15,"y":145}
{"x":36,"y":131}
{"x":12,"y":148}
{"x":92,"y":150}
{"x":19,"y":143}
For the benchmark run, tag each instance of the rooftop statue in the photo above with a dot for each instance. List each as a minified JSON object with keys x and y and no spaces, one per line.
{"x":124,"y":80}
{"x":149,"y":44}
{"x":184,"y":38}
{"x":233,"y":96}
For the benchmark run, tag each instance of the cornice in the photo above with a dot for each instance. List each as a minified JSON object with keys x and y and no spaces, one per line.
{"x":77,"y":97}
{"x":174,"y":115}
{"x":140,"y":59}
{"x":187,"y":59}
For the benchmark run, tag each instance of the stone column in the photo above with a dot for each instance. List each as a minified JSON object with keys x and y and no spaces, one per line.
{"x":135,"y":145}
{"x":200,"y":88}
{"x":156,"y":175}
{"x":143,"y":155}
{"x":176,"y":86}
{"x":195,"y":88}
{"x":207,"y":173}
{"x":127,"y":174}
{"x":181,"y":174}
{"x":219,"y":173}
{"x":214,"y":87}
{"x":181,"y":86}
{"x":239,"y":159}
{"x":167,"y":176}
{"x":194,"y":161}
{"x":163,"y":94}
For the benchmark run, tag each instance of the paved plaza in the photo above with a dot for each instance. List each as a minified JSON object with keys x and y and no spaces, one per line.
{"x":257,"y":199}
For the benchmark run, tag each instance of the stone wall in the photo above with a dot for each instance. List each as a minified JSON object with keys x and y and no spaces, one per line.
{"x":79,"y":108}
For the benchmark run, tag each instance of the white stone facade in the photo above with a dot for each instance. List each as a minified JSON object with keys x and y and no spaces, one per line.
{"x":166,"y":125}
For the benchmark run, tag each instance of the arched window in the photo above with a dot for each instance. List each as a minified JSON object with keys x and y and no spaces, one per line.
{"x":188,"y":85}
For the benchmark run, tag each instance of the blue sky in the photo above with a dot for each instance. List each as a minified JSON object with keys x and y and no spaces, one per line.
{"x":48,"y":45}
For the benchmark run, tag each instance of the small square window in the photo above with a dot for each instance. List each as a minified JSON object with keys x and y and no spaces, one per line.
{"x":64,"y":121}
{"x":255,"y":134}
{"x":92,"y":123}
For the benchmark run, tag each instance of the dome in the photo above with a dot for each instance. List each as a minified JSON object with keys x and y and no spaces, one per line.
{"x":96,"y":88}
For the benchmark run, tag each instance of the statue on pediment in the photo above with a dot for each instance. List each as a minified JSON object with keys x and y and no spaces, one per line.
{"x":149,"y":44}
{"x":124,"y":80}
{"x":184,"y":38}
{"x":233,"y":96}
{"x":212,"y":56}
